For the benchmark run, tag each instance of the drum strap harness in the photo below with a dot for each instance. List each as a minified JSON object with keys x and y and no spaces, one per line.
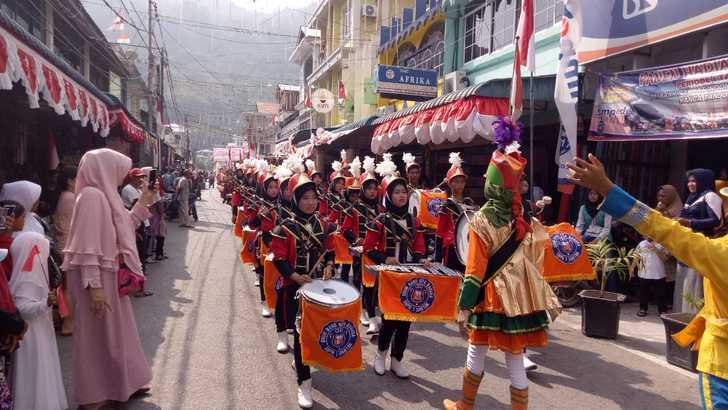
{"x":497,"y":261}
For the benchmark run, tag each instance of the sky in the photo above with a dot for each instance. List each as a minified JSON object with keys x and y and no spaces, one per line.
{"x":272,"y":5}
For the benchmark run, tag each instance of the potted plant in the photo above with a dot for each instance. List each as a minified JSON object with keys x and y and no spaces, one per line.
{"x":600,"y":310}
{"x":675,"y":322}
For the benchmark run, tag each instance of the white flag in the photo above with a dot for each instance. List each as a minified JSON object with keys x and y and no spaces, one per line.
{"x":566,"y":93}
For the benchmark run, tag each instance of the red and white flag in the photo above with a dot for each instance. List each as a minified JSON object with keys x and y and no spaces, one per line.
{"x":516,"y":88}
{"x":342,"y":92}
{"x":307,"y":98}
{"x":525,"y":35}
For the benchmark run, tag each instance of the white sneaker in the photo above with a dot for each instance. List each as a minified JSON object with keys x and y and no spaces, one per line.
{"x":373,"y":326}
{"x":282,"y":346}
{"x":364,"y":318}
{"x":528,"y":364}
{"x":256,"y":283}
{"x":264,"y":311}
{"x":380,"y":360}
{"x":398,"y":369}
{"x":304,"y":395}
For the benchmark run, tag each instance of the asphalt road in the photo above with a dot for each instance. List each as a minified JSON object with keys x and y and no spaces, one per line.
{"x":210,"y":349}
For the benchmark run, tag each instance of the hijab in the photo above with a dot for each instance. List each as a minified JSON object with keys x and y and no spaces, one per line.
{"x":30,"y":280}
{"x":672,"y":204}
{"x":372,"y":203}
{"x":26,"y":193}
{"x":397,"y":212}
{"x":704,"y":182}
{"x":103,"y":170}
{"x":592,"y":208}
{"x":297,"y":195}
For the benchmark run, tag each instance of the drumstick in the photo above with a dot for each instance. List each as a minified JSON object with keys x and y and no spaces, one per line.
{"x":316,"y":265}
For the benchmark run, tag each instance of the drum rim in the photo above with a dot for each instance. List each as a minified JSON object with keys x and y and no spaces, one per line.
{"x":461,"y":258}
{"x":303,"y":294}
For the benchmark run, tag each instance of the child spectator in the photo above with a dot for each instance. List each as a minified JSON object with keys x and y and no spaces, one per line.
{"x":651,"y":274}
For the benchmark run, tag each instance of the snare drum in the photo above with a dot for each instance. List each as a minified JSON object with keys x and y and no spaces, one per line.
{"x":329,"y":326}
{"x":462,"y":230}
{"x":425,"y":206}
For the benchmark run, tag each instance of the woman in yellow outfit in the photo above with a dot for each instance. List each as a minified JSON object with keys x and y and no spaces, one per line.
{"x":708,"y":332}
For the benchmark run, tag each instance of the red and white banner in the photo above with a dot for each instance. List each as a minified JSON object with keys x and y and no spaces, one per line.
{"x":40,"y":78}
{"x":460,"y":120}
{"x":133,"y":131}
{"x":525,"y":34}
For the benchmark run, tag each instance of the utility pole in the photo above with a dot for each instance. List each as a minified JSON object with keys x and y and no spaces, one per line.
{"x":187,"y":137}
{"x":160,"y":133}
{"x":151,"y":107}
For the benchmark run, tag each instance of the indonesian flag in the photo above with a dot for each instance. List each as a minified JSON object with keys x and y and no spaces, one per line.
{"x":123,"y":39}
{"x":516,"y":88}
{"x":342,"y":93}
{"x":118,"y":24}
{"x":53,"y":160}
{"x":307,"y":98}
{"x":525,"y":34}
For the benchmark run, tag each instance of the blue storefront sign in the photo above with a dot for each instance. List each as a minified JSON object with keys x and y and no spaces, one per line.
{"x":404,"y":83}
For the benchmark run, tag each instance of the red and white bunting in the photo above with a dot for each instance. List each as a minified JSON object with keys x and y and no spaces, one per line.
{"x":461,"y":120}
{"x":40,"y":78}
{"x":133,"y":131}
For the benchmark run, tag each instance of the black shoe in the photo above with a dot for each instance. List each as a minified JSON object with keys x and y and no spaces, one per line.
{"x":642,"y":313}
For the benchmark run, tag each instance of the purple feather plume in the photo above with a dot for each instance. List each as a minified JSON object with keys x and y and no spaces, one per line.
{"x":506,"y":132}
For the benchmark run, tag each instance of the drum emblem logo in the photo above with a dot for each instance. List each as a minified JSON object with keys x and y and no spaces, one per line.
{"x":434,"y":205}
{"x":566,"y":247}
{"x":417,"y":295}
{"x":279,"y":283}
{"x":338,"y":337}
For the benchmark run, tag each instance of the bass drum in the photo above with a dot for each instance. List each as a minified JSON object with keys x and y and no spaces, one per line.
{"x":462,"y":229}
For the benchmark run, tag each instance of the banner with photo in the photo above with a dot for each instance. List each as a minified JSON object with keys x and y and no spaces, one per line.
{"x":685,"y":101}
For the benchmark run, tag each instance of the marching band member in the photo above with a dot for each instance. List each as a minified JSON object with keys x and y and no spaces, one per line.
{"x":350,"y":217}
{"x":413,"y":171}
{"x":264,"y":221}
{"x":300,"y":250}
{"x":318,"y":179}
{"x":283,"y":174}
{"x":392,"y":238}
{"x":450,"y":213}
{"x":337,"y":183}
{"x":504,"y":299}
{"x":354,"y":230}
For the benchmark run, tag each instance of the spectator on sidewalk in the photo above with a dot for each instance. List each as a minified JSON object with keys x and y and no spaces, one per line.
{"x":669,"y":205}
{"x":183,"y":197}
{"x":37,"y":381}
{"x":108,"y":361}
{"x":61,"y":228}
{"x":13,"y":224}
{"x":132,"y":188}
{"x":651,"y":274}
{"x":12,"y":326}
{"x":27,"y":194}
{"x":168,"y":180}
{"x":158,"y":226}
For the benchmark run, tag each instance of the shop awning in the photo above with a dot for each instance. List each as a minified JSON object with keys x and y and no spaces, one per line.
{"x":325,"y":137}
{"x":23,"y":58}
{"x":132,"y":129}
{"x":458,"y":116}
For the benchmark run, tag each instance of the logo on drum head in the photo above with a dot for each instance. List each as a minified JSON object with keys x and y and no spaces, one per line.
{"x":417,"y":295}
{"x":279,"y":283}
{"x":338,"y":337}
{"x":566,"y":247}
{"x":434,"y":205}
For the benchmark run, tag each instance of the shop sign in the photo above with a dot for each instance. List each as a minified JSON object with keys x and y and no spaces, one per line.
{"x":322,"y":100}
{"x":412,"y":84}
{"x":672,"y":102}
{"x":610,"y":27}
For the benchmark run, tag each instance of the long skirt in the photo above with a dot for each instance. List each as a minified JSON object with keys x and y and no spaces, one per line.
{"x":688,"y":288}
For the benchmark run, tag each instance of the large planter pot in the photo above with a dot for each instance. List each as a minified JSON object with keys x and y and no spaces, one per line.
{"x":676,"y":355}
{"x":600,"y":313}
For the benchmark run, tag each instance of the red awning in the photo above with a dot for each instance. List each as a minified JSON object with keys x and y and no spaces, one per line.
{"x":459,"y":120}
{"x":19,"y":62}
{"x":133,"y":131}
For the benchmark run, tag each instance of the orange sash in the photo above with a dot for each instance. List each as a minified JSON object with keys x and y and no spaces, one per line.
{"x":566,"y":258}
{"x":238,"y":228}
{"x":418,"y":298}
{"x":341,"y":250}
{"x":330,"y":337}
{"x":368,"y":279}
{"x":247,"y":253}
{"x":429,"y":209}
{"x":272,"y":280}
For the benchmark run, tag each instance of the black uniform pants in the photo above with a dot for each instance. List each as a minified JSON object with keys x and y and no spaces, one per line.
{"x":286,"y":308}
{"x":261,"y":283}
{"x":369,"y":299}
{"x":303,"y":372}
{"x":655,"y":288}
{"x":397,"y":329}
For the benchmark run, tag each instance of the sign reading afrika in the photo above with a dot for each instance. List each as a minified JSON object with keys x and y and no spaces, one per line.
{"x":675,"y":102}
{"x":406,"y":83}
{"x":322,"y":100}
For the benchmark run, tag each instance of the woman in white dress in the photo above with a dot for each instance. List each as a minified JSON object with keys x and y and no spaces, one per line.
{"x":37,"y":380}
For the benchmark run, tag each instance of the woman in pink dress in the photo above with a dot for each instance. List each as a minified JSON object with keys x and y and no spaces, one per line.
{"x":108,"y":361}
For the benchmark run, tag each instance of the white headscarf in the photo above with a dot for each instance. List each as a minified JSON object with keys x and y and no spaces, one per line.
{"x":25,"y":193}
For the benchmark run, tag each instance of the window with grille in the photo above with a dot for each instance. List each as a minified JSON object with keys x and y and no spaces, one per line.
{"x":346,"y":21}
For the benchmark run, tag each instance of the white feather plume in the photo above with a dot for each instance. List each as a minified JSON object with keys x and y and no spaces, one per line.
{"x":283,"y":171}
{"x":295,"y":163}
{"x":310,"y":165}
{"x":387,"y":167}
{"x":262,"y":166}
{"x":513,"y":147}
{"x":336,"y":166}
{"x":355,"y":167}
{"x":455,"y":160}
{"x":369,"y":164}
{"x":408,"y":159}
{"x":343,"y":155}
